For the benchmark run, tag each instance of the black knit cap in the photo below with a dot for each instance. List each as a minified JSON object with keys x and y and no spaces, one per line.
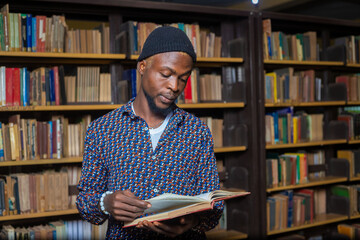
{"x":167,"y":39}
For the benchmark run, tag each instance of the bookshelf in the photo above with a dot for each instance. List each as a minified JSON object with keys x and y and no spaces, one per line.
{"x":324,"y":67}
{"x":234,"y":24}
{"x":319,"y":221}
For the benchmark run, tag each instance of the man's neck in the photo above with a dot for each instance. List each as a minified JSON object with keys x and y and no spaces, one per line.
{"x":142,"y":109}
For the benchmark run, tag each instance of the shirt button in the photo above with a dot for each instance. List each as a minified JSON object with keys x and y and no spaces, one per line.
{"x":146,"y":128}
{"x":156,"y":190}
{"x":153,"y":157}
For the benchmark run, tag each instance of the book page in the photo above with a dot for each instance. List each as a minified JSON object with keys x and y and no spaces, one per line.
{"x":168,"y":201}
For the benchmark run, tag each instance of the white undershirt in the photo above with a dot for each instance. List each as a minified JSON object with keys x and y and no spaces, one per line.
{"x":155,"y":133}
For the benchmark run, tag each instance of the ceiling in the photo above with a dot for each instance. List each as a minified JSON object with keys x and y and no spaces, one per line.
{"x":342,"y":9}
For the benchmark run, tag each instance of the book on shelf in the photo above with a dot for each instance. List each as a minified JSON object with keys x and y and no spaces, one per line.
{"x":59,"y":229}
{"x":133,"y":35}
{"x":281,"y":46}
{"x":292,"y":208}
{"x":169,"y":206}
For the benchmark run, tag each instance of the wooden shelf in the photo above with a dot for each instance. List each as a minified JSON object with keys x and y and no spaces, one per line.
{"x":306,"y":144}
{"x":41,"y":162}
{"x":38,"y":215}
{"x":353,"y":103}
{"x":225,"y":235}
{"x":61,"y":108}
{"x":293,"y":62}
{"x":307,"y":104}
{"x":354,"y":141}
{"x":355,"y":65}
{"x":84,"y":107}
{"x":60,"y":58}
{"x":229,"y":149}
{"x":353,"y":179}
{"x":323,"y":181}
{"x":319,"y":220}
{"x":355,"y":217}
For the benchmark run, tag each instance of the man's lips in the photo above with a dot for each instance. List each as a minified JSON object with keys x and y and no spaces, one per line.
{"x":166,"y":99}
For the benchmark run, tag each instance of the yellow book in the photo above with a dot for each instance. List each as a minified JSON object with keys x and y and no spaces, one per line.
{"x":295,"y":129}
{"x":273,"y":76}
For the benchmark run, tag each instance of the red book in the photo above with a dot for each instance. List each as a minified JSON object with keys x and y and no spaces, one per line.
{"x":40,"y":33}
{"x":311,"y":193}
{"x":188,"y":92}
{"x":57,"y":86}
{"x":16,"y":87}
{"x":9,"y":86}
{"x":344,"y":79}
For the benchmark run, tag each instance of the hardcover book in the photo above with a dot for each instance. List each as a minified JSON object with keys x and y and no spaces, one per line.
{"x":169,"y":206}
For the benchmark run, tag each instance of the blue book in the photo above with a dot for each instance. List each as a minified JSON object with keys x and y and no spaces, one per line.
{"x":135,"y":37}
{"x":181,"y":26}
{"x":28,"y":32}
{"x":290,"y":195}
{"x":272,"y":213}
{"x":1,"y":144}
{"x":52,"y":87}
{"x":25,"y":87}
{"x":269,"y":46}
{"x":130,"y":76}
{"x":33,"y":34}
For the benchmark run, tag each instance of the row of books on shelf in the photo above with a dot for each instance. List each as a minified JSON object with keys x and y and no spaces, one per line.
{"x":65,"y":230}
{"x":284,"y":85}
{"x":294,"y":208}
{"x":133,"y":35}
{"x":287,"y":86}
{"x":216,"y":129}
{"x":352,"y":83}
{"x":28,"y":33}
{"x":351,"y":117}
{"x":29,"y":139}
{"x":281,"y":46}
{"x":49,"y":86}
{"x":285,"y":126}
{"x":351,"y":45}
{"x":292,"y":168}
{"x":352,"y":231}
{"x":88,"y":40}
{"x":24,"y":193}
{"x":305,"y":47}
{"x":90,"y":84}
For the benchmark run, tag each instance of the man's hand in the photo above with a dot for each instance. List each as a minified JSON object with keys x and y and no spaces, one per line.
{"x":172,"y":228}
{"x":124,"y":205}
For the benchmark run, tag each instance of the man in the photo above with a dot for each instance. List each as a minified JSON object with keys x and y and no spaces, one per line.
{"x":148,"y":147}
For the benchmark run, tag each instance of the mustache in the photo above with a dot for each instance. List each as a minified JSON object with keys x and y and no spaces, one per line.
{"x":170,"y":96}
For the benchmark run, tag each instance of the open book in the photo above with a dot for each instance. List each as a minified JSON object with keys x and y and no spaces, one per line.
{"x":168,"y":205}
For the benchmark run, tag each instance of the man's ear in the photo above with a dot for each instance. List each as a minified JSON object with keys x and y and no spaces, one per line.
{"x":141,"y":67}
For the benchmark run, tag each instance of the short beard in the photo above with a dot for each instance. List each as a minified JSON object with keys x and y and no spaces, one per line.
{"x":162,"y":111}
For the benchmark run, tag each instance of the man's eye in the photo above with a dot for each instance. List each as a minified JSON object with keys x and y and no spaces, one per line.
{"x":165,"y":75}
{"x":183,"y":79}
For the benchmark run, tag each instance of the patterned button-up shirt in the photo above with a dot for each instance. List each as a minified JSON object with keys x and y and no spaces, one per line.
{"x":118,"y":155}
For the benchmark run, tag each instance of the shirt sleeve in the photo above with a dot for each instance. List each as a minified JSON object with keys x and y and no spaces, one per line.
{"x":208,"y":180}
{"x":93,"y":179}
